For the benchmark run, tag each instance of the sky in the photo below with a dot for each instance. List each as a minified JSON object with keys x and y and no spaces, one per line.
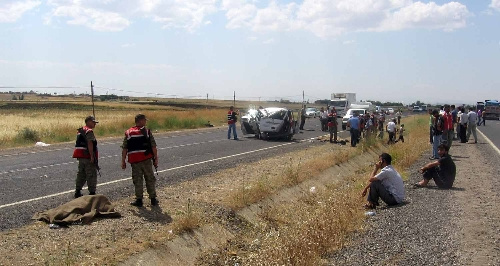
{"x":385,"y":50}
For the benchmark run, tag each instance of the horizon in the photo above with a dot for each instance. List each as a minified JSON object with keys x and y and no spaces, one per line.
{"x":432,"y":51}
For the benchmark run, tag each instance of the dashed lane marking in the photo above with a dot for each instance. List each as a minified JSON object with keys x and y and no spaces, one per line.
{"x":109,"y":156}
{"x":161,"y":171}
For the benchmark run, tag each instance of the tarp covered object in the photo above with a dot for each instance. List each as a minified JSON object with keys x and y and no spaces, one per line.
{"x":83,"y":209}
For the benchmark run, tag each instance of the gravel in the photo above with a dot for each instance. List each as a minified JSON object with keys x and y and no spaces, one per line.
{"x":419,"y":232}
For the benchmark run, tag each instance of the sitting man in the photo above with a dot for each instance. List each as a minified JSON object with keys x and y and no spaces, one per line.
{"x":442,"y":171}
{"x":387,"y":184}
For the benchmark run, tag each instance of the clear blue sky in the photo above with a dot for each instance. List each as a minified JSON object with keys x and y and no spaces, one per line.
{"x":387,"y":50}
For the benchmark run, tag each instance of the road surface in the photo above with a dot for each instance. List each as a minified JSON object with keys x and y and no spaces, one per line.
{"x":39,"y":178}
{"x":492,"y":131}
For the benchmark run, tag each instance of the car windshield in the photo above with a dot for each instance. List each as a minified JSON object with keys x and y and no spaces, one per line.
{"x":279,"y":114}
{"x":311,"y":109}
{"x":352,"y":111}
{"x":338,"y":103}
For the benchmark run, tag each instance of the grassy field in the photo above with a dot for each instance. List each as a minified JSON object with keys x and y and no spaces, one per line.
{"x":55,"y":119}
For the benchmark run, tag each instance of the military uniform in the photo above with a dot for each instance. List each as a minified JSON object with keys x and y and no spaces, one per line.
{"x":87,"y":171}
{"x":332,"y":126}
{"x":139,"y":157}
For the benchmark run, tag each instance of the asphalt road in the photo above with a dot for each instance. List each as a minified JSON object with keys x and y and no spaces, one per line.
{"x":492,"y":131}
{"x":39,"y":178}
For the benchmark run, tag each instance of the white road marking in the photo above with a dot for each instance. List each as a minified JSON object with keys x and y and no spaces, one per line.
{"x":161,"y":171}
{"x":489,"y":141}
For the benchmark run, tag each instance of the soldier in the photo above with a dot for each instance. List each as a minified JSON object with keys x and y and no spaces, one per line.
{"x":140,"y":146}
{"x":86,"y":154}
{"x":332,"y":125}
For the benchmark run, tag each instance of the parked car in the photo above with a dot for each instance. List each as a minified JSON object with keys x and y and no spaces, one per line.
{"x":266,"y":123}
{"x":390,"y":110}
{"x":312,"y":112}
{"x":417,"y":109}
{"x":349,"y":114}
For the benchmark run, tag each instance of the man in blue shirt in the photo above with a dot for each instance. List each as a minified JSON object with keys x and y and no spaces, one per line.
{"x":353,"y":123}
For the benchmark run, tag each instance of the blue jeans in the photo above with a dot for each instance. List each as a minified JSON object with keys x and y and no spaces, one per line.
{"x":436,"y":141}
{"x":232,"y":127}
{"x":354,"y":137}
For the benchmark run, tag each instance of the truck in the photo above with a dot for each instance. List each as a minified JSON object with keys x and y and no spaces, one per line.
{"x":342,"y":101}
{"x":491,"y":110}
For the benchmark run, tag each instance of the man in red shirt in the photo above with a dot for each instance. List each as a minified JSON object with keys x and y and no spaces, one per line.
{"x":231,"y":122}
{"x":448,"y":130}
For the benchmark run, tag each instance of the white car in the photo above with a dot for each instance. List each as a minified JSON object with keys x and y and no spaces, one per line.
{"x":349,"y":114}
{"x":266,"y":123}
{"x":312,"y":112}
{"x":391,"y":111}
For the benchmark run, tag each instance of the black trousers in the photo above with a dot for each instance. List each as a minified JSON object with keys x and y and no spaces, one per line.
{"x":302,"y":122}
{"x":354,"y":137}
{"x":463,"y":133}
{"x":377,"y":190}
{"x":439,"y":180}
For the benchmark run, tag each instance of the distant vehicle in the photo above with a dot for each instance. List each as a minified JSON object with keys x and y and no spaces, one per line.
{"x":423,"y":108}
{"x":417,"y":109}
{"x":349,"y":114}
{"x":312,"y":112}
{"x":390,"y":110}
{"x":266,"y":123}
{"x":491,"y":110}
{"x":342,"y":102}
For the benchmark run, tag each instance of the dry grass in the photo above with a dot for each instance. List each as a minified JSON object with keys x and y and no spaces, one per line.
{"x":187,"y":221}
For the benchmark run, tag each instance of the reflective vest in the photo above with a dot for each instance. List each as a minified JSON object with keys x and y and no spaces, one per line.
{"x":81,"y":149}
{"x":138,"y":144}
{"x":231,"y":118}
{"x":332,"y":119}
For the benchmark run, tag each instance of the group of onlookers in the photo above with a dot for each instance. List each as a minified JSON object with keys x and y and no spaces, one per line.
{"x":368,"y":124}
{"x":444,"y":122}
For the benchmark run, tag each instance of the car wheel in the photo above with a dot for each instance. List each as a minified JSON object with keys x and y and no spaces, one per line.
{"x":344,"y":127}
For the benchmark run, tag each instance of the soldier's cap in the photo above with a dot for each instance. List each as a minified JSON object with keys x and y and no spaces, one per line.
{"x":90,"y":118}
{"x":139,"y":117}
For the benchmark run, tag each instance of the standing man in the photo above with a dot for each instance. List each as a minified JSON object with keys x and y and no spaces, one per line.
{"x":398,"y":114}
{"x":332,"y":125}
{"x":380,"y":124}
{"x":448,"y":126}
{"x":463,"y":120}
{"x":231,"y":122}
{"x":454,"y":114}
{"x":324,"y":119}
{"x":443,"y":170}
{"x":471,"y":126}
{"x":140,"y":147}
{"x":437,"y":132}
{"x":387,"y":185}
{"x":302,"y":117}
{"x":86,"y":153}
{"x":391,"y":129}
{"x":479,"y":113}
{"x":353,"y":124}
{"x":431,"y":126}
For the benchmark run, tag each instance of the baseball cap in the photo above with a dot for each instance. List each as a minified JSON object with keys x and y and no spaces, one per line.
{"x":90,"y":118}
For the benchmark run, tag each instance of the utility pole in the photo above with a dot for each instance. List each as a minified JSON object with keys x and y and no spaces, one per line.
{"x":92,"y":94}
{"x":303,"y":100}
{"x":234,"y":99}
{"x":207,"y":97}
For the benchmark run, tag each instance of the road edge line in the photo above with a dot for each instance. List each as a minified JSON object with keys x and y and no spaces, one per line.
{"x":489,"y":141}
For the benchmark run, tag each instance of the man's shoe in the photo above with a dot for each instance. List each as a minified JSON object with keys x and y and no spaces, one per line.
{"x":154,"y":202}
{"x":78,"y":193}
{"x":137,"y":203}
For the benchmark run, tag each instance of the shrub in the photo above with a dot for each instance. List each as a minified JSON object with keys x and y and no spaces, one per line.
{"x":28,"y":134}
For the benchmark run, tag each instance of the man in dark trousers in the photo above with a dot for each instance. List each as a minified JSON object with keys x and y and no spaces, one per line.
{"x":231,"y":123}
{"x":443,"y":171}
{"x":332,"y":125}
{"x":302,"y":117}
{"x":139,"y":146}
{"x":86,"y":153}
{"x":387,"y":185}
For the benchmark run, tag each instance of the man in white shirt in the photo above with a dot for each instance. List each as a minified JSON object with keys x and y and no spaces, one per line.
{"x":387,"y":185}
{"x":391,"y":129}
{"x":323,"y":117}
{"x":472,"y":122}
{"x":463,"y":120}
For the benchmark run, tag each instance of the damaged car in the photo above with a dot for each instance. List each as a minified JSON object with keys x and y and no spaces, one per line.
{"x":267,"y":123}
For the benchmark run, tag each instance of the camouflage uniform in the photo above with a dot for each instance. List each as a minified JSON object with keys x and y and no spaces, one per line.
{"x":144,"y":170}
{"x":87,"y":172}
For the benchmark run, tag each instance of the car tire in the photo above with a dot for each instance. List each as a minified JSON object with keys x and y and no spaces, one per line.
{"x":344,"y":127}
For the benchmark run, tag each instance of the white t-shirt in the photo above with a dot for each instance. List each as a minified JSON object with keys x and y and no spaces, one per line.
{"x":392,"y":182}
{"x":464,"y":118}
{"x":391,"y":127}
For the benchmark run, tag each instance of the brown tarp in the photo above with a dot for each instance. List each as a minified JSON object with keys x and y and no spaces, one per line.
{"x":82,"y":209}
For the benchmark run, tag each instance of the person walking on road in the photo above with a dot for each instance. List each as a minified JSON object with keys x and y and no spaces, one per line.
{"x":139,"y":146}
{"x":332,"y":125}
{"x":231,"y":122}
{"x":483,"y":121}
{"x":471,"y":126}
{"x":302,"y":117}
{"x":87,"y":155}
{"x":353,"y":124}
{"x":387,"y":185}
{"x":443,"y":170}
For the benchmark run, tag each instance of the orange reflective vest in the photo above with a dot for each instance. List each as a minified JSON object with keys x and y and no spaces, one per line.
{"x":81,"y":150}
{"x":332,"y":119}
{"x":138,"y":146}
